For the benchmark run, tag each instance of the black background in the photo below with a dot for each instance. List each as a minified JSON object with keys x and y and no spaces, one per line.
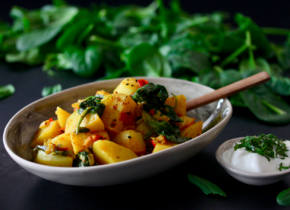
{"x":169,"y":190}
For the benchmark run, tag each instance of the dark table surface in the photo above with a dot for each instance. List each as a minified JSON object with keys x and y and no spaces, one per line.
{"x":169,"y":190}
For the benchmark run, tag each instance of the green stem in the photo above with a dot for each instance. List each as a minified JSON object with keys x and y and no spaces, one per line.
{"x":276,"y":31}
{"x":235,"y":54}
{"x":273,"y":108}
{"x":251,"y":54}
{"x":85,"y":34}
{"x":84,"y":113}
{"x":100,"y":40}
{"x":218,"y":69}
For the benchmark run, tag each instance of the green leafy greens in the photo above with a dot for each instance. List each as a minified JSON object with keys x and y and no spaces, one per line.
{"x":51,"y":90}
{"x":206,"y":186}
{"x":283,"y":198}
{"x":6,"y":91}
{"x":154,"y":40}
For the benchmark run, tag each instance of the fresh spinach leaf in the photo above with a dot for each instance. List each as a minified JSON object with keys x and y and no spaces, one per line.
{"x":283,"y":198}
{"x":84,"y":62}
{"x":6,"y":91}
{"x":41,"y":36}
{"x":145,"y":60}
{"x":206,"y":186}
{"x":51,"y":90}
{"x":278,"y":83}
{"x":265,"y":105}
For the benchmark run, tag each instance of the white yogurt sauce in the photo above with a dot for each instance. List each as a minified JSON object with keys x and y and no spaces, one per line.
{"x":253,"y":162}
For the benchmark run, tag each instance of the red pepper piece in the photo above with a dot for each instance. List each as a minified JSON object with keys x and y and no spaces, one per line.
{"x":142,"y":82}
{"x":153,"y":143}
{"x":50,"y":120}
{"x":62,"y":149}
{"x":152,"y":112}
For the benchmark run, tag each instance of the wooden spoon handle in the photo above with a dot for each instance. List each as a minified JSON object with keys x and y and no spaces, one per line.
{"x":229,"y":90}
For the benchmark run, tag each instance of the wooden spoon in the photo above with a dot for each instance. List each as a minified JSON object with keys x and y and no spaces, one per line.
{"x":228,"y":90}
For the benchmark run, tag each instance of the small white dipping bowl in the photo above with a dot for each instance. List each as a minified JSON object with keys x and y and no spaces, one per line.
{"x":21,"y":128}
{"x":250,"y":178}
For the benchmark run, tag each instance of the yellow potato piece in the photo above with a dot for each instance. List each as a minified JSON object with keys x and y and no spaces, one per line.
{"x":90,"y":121}
{"x":47,"y":130}
{"x":104,"y":134}
{"x":107,"y":152}
{"x":63,"y":141}
{"x":187,"y":121}
{"x":127,"y":86}
{"x":132,"y":140}
{"x":193,"y":130}
{"x":61,"y":116}
{"x":102,"y":92}
{"x":181,"y":104}
{"x":82,"y":141}
{"x":53,"y":160}
{"x":143,"y":128}
{"x":159,"y":147}
{"x":120,"y":112}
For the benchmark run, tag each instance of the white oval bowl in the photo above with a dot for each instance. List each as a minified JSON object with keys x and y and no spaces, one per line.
{"x":250,"y":178}
{"x":22,"y":126}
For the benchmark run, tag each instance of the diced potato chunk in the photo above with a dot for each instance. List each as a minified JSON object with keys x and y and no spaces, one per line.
{"x":120,"y":112}
{"x":47,"y":130}
{"x":104,"y":134}
{"x":102,"y":92}
{"x":160,"y":147}
{"x":61,"y":116}
{"x":90,"y":121}
{"x":132,"y":140}
{"x":187,"y":121}
{"x":193,"y":130}
{"x":181,"y":104}
{"x":127,"y":86}
{"x":53,"y":160}
{"x":63,"y":141}
{"x":107,"y":152}
{"x":143,"y":128}
{"x":82,"y":141}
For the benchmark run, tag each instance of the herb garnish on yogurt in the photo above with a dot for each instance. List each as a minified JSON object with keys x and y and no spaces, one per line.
{"x":268,"y":146}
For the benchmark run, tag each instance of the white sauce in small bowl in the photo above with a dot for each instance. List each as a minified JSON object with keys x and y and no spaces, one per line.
{"x":253,"y":162}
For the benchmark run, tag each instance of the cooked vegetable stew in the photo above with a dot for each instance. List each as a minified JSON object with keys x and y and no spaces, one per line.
{"x":137,"y":119}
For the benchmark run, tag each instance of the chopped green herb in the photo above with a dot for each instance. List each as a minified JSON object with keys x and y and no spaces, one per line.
{"x":268,"y":146}
{"x":281,"y":167}
{"x":206,"y":186}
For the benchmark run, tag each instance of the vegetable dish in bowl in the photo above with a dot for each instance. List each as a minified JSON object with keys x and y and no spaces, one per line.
{"x":137,"y":119}
{"x":20,"y":132}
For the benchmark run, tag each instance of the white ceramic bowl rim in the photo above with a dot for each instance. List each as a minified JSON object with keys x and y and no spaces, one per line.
{"x":242,"y":172}
{"x":100,"y":167}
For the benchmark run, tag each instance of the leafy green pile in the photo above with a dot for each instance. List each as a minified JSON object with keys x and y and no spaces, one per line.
{"x":268,"y":146}
{"x":153,"y":41}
